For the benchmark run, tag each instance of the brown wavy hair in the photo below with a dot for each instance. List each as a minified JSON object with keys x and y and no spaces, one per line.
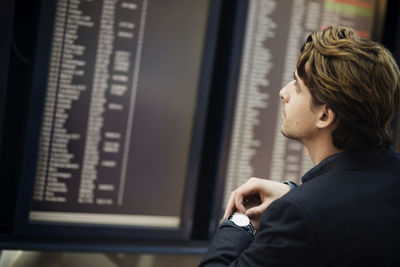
{"x":358,"y":79}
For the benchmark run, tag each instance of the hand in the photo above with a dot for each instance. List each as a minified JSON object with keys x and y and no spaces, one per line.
{"x":254,"y":196}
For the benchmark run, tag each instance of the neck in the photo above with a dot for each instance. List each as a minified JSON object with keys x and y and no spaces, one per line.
{"x":320,"y":150}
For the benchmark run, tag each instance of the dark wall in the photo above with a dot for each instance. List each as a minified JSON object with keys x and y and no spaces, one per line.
{"x":18,"y":25}
{"x":391,"y":40}
{"x":391,"y":32}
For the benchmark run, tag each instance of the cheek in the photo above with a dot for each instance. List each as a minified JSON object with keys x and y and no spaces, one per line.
{"x":295,"y":109}
{"x":299,"y":115}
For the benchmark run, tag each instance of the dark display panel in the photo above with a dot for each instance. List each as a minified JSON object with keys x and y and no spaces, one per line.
{"x":110,"y":131}
{"x":273,"y":34}
{"x":118,"y":114}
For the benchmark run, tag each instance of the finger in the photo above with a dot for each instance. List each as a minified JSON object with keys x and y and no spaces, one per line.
{"x":230,"y":207}
{"x":238,"y":198}
{"x":257,"y":210}
{"x":253,"y":186}
{"x":235,"y":201}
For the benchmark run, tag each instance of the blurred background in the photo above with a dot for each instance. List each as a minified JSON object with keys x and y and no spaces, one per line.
{"x":125,"y":124}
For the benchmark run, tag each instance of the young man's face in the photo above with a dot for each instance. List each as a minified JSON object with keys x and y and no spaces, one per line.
{"x":298,"y":119}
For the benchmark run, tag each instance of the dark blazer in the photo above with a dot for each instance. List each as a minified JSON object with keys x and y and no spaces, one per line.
{"x":346,"y":213}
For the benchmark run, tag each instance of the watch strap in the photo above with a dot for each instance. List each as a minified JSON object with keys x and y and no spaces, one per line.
{"x":248,"y":228}
{"x":292,"y":185}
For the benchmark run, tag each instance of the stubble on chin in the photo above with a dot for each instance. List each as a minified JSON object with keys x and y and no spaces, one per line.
{"x":290,"y":136}
{"x":285,"y":134}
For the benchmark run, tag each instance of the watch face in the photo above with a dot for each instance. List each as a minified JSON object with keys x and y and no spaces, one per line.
{"x":240,"y":219}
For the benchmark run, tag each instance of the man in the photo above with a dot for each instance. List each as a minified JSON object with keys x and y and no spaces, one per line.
{"x":344,"y":94}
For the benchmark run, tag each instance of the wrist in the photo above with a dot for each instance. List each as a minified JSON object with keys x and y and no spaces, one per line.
{"x":239,"y":220}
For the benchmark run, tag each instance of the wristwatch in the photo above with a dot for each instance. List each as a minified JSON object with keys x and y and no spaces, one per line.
{"x":240,"y":220}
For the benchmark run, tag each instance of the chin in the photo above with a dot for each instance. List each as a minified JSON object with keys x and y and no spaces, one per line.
{"x":290,"y":136}
{"x":284,"y":133}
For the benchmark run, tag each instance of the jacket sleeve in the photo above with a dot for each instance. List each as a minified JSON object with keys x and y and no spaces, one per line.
{"x":285,"y":239}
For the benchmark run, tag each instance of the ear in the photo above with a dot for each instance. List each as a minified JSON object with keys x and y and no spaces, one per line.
{"x":326,"y":117}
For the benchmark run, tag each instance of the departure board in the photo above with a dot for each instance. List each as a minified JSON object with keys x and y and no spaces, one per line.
{"x":274,"y":32}
{"x":119,"y":111}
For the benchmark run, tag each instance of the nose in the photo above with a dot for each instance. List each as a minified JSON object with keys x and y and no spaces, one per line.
{"x":283,"y":94}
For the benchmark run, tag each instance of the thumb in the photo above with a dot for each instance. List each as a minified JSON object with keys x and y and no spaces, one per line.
{"x":256,"y":211}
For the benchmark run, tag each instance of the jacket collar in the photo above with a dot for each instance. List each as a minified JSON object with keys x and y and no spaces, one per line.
{"x":350,"y":160}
